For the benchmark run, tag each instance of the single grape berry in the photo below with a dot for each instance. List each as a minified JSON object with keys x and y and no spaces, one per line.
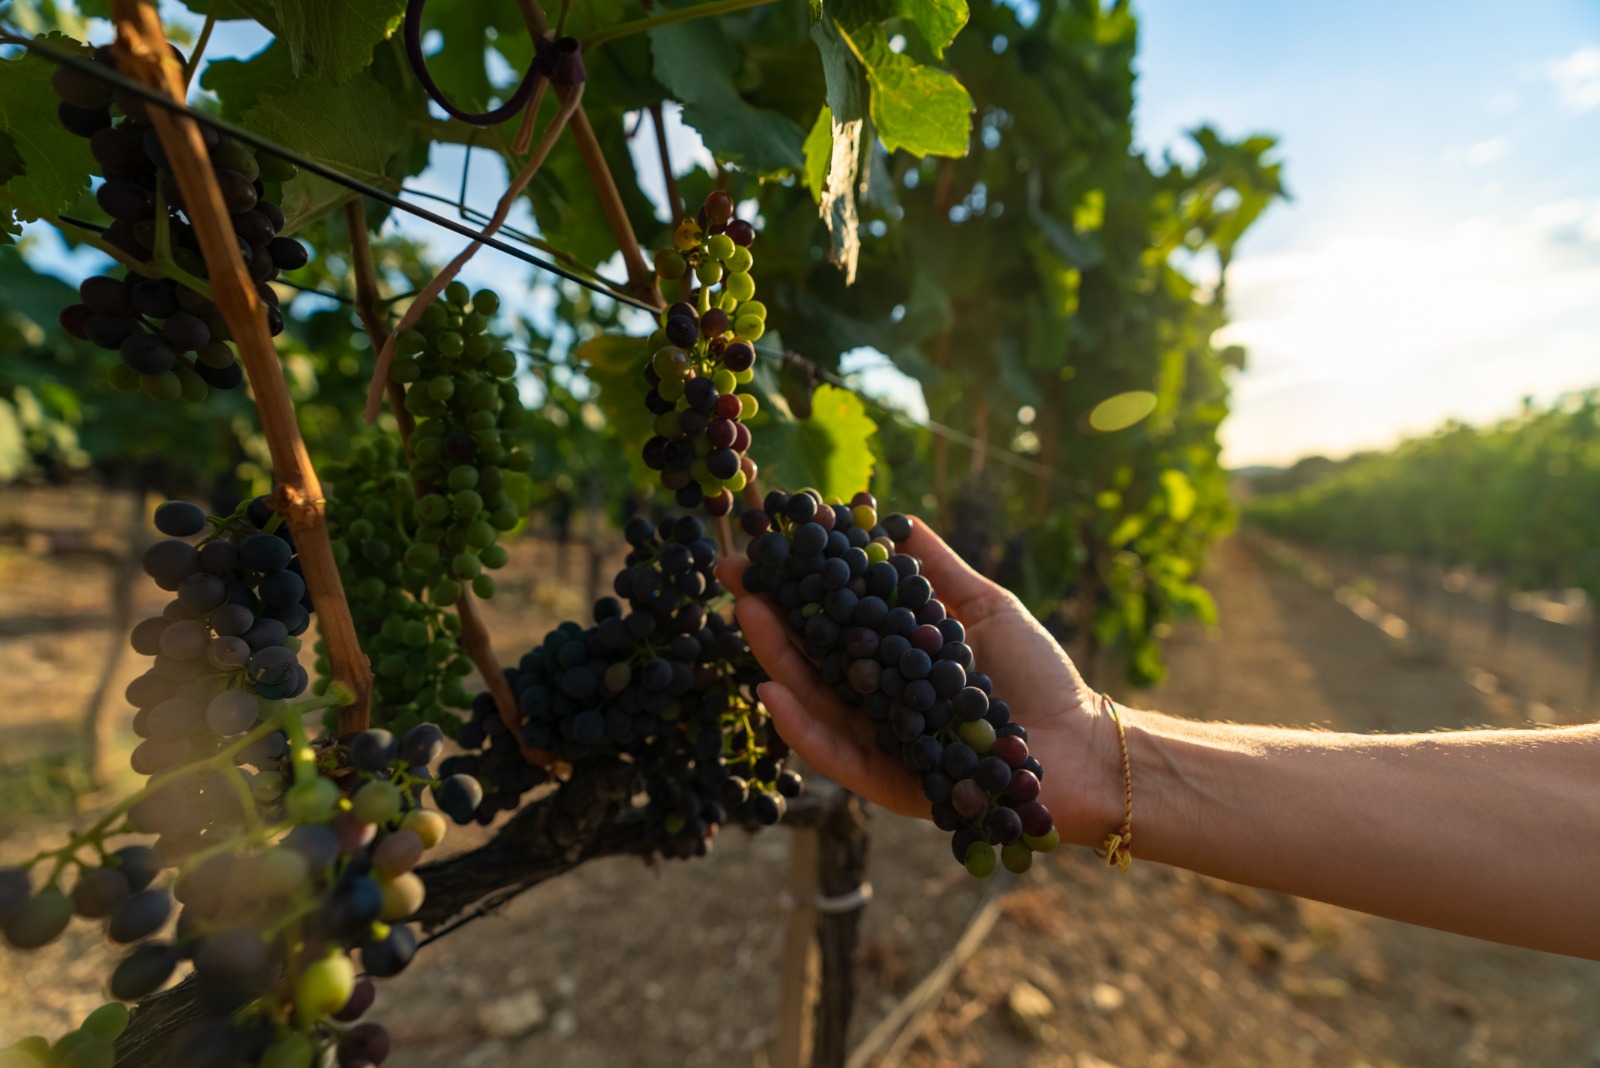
{"x":373,"y":750}
{"x":40,"y":920}
{"x":180,"y":519}
{"x":147,"y":354}
{"x":458,"y":797}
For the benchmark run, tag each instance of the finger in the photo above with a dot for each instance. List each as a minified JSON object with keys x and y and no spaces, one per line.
{"x":823,"y":736}
{"x":954,"y":583}
{"x":769,"y":640}
{"x":730,"y":572}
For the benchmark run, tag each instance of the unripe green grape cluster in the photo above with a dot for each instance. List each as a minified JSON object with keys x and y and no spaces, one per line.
{"x":418,"y":666}
{"x":459,"y":380}
{"x":700,"y":357}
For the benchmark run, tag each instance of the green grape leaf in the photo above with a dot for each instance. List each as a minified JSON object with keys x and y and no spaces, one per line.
{"x":938,"y":21}
{"x":1130,"y":527}
{"x":613,"y":362}
{"x":612,"y":353}
{"x":356,"y":127}
{"x":43,"y":168}
{"x":848,"y":95}
{"x":1181,"y":495}
{"x":818,"y":149}
{"x":920,"y":109}
{"x":847,"y":106}
{"x":334,"y":39}
{"x":239,"y":83}
{"x":828,"y":451}
{"x":695,"y":61}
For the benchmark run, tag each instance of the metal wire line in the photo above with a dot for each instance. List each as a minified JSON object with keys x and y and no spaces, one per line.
{"x":62,"y":58}
{"x":312,"y":166}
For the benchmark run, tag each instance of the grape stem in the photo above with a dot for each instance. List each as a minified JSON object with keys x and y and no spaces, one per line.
{"x":666,"y":18}
{"x":380,"y":372}
{"x":223,"y":758}
{"x":160,"y":267}
{"x":142,"y":53}
{"x":301,"y":754}
{"x":163,"y":246}
{"x":199,"y":49}
{"x":367,"y":303}
{"x":474,"y":641}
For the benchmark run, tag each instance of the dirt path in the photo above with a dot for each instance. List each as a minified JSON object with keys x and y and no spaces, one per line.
{"x":621,"y":965}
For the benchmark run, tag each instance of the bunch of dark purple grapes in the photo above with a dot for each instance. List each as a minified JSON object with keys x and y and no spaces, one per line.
{"x":269,"y":926}
{"x":227,"y":641}
{"x":703,"y":353}
{"x":659,"y":678}
{"x":172,"y":340}
{"x":870,"y":620}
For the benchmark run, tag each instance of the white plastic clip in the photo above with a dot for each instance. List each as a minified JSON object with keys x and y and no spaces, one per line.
{"x":855,"y":899}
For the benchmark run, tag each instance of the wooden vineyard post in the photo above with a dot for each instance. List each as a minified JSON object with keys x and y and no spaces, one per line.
{"x":827,"y":891}
{"x":797,"y":985}
{"x":843,"y":893}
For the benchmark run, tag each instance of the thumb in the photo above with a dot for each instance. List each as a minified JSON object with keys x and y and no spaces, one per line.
{"x":829,"y":742}
{"x":954,"y":581}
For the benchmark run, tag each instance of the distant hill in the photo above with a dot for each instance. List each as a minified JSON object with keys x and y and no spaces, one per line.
{"x":1264,"y":478}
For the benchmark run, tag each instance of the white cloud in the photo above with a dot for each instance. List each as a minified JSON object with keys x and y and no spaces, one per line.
{"x":1477,"y":154}
{"x":1389,"y":327}
{"x":1487,"y":151}
{"x":1502,"y":104}
{"x":1577,"y":78}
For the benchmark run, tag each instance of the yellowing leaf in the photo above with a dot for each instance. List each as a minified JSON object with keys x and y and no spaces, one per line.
{"x":615,"y":353}
{"x":828,"y":451}
{"x":1181,"y":496}
{"x":920,"y":109}
{"x":695,"y":62}
{"x":818,"y":149}
{"x":938,"y":21}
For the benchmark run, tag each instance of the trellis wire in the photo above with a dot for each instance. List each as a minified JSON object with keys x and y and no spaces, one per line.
{"x":1011,"y":457}
{"x":305,"y":163}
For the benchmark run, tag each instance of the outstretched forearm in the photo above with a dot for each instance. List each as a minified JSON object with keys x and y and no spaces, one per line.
{"x":1494,"y":834}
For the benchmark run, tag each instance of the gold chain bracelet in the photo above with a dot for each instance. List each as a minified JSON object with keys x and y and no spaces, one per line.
{"x":1118,"y":847}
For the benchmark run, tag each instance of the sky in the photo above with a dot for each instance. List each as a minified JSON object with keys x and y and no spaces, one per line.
{"x":1441,"y":254}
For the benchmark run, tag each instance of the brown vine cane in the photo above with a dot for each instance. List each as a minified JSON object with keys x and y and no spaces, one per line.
{"x":142,"y":52}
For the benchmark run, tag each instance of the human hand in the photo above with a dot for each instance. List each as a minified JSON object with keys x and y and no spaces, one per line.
{"x":1076,"y":745}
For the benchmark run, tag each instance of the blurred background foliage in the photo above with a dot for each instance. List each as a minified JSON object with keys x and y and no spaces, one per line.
{"x":954,"y":191}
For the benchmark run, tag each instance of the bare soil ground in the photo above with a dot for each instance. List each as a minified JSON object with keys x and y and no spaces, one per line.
{"x":623,"y":964}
